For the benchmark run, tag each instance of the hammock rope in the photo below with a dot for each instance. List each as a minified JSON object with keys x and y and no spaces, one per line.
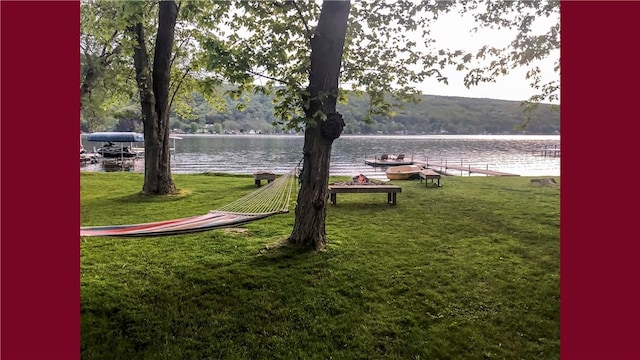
{"x":271,"y":199}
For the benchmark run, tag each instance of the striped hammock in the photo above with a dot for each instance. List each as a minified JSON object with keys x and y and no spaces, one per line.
{"x":268,"y":200}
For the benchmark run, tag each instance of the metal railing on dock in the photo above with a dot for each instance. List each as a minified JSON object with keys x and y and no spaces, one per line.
{"x":547,"y":151}
{"x":445,"y":165}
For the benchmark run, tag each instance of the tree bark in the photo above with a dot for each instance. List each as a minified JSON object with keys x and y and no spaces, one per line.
{"x":323,"y":127}
{"x":154,"y":98}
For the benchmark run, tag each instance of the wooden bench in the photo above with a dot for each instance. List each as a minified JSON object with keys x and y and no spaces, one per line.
{"x":263,"y":175}
{"x":391,"y":190}
{"x":428,"y":174}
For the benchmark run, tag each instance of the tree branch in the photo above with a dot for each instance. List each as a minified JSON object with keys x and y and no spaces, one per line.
{"x":271,"y":78}
{"x":175,"y":54}
{"x":104,"y":53}
{"x":178,"y":87}
{"x":304,"y":21}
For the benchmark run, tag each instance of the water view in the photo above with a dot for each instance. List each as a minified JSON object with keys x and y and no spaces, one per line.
{"x":245,"y":154}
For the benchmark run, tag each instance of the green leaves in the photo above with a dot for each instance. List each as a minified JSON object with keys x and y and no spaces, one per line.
{"x":104,"y":29}
{"x":257,"y":45}
{"x":537,"y":38}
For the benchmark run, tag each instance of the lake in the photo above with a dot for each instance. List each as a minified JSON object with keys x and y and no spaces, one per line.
{"x":245,"y":154}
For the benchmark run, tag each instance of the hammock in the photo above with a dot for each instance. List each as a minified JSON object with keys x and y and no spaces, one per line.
{"x":268,"y":200}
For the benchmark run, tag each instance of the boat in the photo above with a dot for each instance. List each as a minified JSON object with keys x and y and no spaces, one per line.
{"x":111,"y":150}
{"x":403,"y":172}
{"x":386,"y":160}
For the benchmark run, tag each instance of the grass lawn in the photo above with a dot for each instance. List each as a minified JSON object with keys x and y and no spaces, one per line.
{"x":466,"y":271}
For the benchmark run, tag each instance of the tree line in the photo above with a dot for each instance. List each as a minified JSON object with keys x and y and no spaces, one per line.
{"x":430,"y":115}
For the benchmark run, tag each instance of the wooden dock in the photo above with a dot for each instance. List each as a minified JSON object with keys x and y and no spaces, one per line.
{"x":471,"y":170}
{"x":547,"y":151}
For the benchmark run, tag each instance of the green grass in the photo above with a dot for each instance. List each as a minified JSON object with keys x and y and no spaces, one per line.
{"x":466,"y":271}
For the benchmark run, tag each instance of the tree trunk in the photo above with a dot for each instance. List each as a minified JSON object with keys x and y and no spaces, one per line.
{"x":323,"y":127}
{"x":154,"y":97}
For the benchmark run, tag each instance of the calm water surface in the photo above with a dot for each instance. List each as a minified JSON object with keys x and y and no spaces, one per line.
{"x":245,"y":154}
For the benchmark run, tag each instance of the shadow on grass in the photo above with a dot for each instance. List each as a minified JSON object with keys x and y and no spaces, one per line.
{"x":283,"y":252}
{"x":139,"y":197}
{"x":229,"y":301}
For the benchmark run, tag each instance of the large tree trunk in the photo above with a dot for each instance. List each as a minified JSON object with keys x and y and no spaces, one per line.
{"x":326,"y":59}
{"x":154,"y":96}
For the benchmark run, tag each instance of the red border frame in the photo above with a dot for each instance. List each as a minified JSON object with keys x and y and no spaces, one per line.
{"x":39,"y":193}
{"x":599,"y":198}
{"x":39,"y":266}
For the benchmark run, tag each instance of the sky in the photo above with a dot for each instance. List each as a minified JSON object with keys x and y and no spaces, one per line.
{"x":454,"y":31}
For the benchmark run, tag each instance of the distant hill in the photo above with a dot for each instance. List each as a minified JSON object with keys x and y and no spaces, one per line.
{"x":431,"y":115}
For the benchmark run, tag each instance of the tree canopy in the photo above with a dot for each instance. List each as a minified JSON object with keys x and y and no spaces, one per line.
{"x":264,"y":46}
{"x":388,"y":51}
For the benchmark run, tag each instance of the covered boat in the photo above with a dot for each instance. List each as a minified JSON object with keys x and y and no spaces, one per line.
{"x":125,"y":137}
{"x":113,"y":137}
{"x":111,"y":150}
{"x":403,"y":172}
